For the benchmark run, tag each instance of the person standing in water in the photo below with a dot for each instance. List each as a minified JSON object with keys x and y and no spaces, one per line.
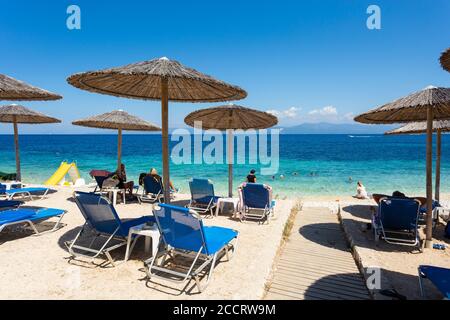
{"x":251,"y":177}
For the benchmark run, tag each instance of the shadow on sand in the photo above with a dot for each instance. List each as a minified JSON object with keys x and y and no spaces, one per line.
{"x":343,"y":287}
{"x":326,"y":234}
{"x":364,"y":236}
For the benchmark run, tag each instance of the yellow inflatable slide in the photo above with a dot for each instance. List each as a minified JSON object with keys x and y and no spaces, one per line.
{"x":59,"y":177}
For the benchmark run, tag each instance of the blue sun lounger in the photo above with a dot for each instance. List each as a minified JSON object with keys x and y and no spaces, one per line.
{"x":440,"y":277}
{"x":397,"y":221}
{"x":183,"y":234}
{"x":102,"y":222}
{"x":100,"y":176}
{"x":153,"y":190}
{"x":203,"y":199}
{"x":255,"y":202}
{"x":8,"y":204}
{"x":436,"y":208}
{"x":30,"y":216}
{"x":26,"y":192}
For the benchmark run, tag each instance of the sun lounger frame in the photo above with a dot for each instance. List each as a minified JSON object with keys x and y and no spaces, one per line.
{"x":10,"y":195}
{"x":157,"y":262}
{"x":260,"y":215}
{"x":150,"y":197}
{"x":422,"y":276}
{"x":104,"y":250}
{"x":380,"y":231}
{"x":203,"y":208}
{"x":263,"y":216}
{"x":32,"y":224}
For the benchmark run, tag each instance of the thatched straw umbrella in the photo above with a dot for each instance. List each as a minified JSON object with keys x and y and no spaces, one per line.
{"x":231,"y":117}
{"x":445,"y":60}
{"x":15,"y":114}
{"x":421,"y":127}
{"x":428,"y":104}
{"x":158,"y":79}
{"x":118,"y":120}
{"x":12,"y":89}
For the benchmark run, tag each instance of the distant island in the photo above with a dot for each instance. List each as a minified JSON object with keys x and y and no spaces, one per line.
{"x":304,"y":128}
{"x":336,"y":128}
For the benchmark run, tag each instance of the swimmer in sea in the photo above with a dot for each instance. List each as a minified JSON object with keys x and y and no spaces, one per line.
{"x":281,"y":176}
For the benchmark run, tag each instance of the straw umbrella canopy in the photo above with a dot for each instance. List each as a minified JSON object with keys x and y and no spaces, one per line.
{"x":15,"y":114}
{"x":118,"y":120}
{"x":231,"y":117}
{"x":12,"y":89}
{"x":428,"y":104}
{"x":445,"y":60}
{"x":421,"y":127}
{"x":158,"y":79}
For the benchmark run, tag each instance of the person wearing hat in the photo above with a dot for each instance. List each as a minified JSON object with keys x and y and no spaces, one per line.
{"x":251,"y":176}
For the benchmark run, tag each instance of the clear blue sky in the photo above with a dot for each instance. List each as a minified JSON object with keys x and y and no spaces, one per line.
{"x":309,"y":61}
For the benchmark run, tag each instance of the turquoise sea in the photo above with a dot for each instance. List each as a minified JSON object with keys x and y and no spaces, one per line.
{"x":382,"y":163}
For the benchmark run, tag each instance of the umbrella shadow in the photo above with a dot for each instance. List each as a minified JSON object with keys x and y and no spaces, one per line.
{"x":341,"y":286}
{"x":118,"y":254}
{"x":352,"y":286}
{"x":362,"y":234}
{"x":181,"y":265}
{"x":329,"y":235}
{"x":362,"y":211}
{"x":406,"y":285}
{"x":180,"y":203}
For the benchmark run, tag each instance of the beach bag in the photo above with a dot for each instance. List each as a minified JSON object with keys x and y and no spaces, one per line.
{"x":447,"y":230}
{"x":111,"y":182}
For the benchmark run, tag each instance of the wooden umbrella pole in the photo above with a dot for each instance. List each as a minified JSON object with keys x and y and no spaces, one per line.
{"x":165,"y":137}
{"x":119,"y":148}
{"x":230,"y":162}
{"x":438,"y":165}
{"x":429,"y":228}
{"x":16,"y":144}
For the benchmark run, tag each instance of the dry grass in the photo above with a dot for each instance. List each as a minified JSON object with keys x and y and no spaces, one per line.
{"x":290,"y":222}
{"x":287,"y":230}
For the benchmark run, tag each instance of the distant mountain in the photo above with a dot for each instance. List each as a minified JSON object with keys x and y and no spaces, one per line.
{"x":335,"y":128}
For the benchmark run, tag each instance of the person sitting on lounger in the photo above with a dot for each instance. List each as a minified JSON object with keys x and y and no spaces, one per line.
{"x":155,"y":175}
{"x":398,"y":194}
{"x":251,"y":176}
{"x":123,"y":183}
{"x":361,"y":192}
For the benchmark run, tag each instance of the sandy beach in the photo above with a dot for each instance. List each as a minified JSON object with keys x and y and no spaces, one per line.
{"x":42,"y":270}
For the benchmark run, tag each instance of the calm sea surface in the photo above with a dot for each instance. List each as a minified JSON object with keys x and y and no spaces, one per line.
{"x":382,"y":163}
